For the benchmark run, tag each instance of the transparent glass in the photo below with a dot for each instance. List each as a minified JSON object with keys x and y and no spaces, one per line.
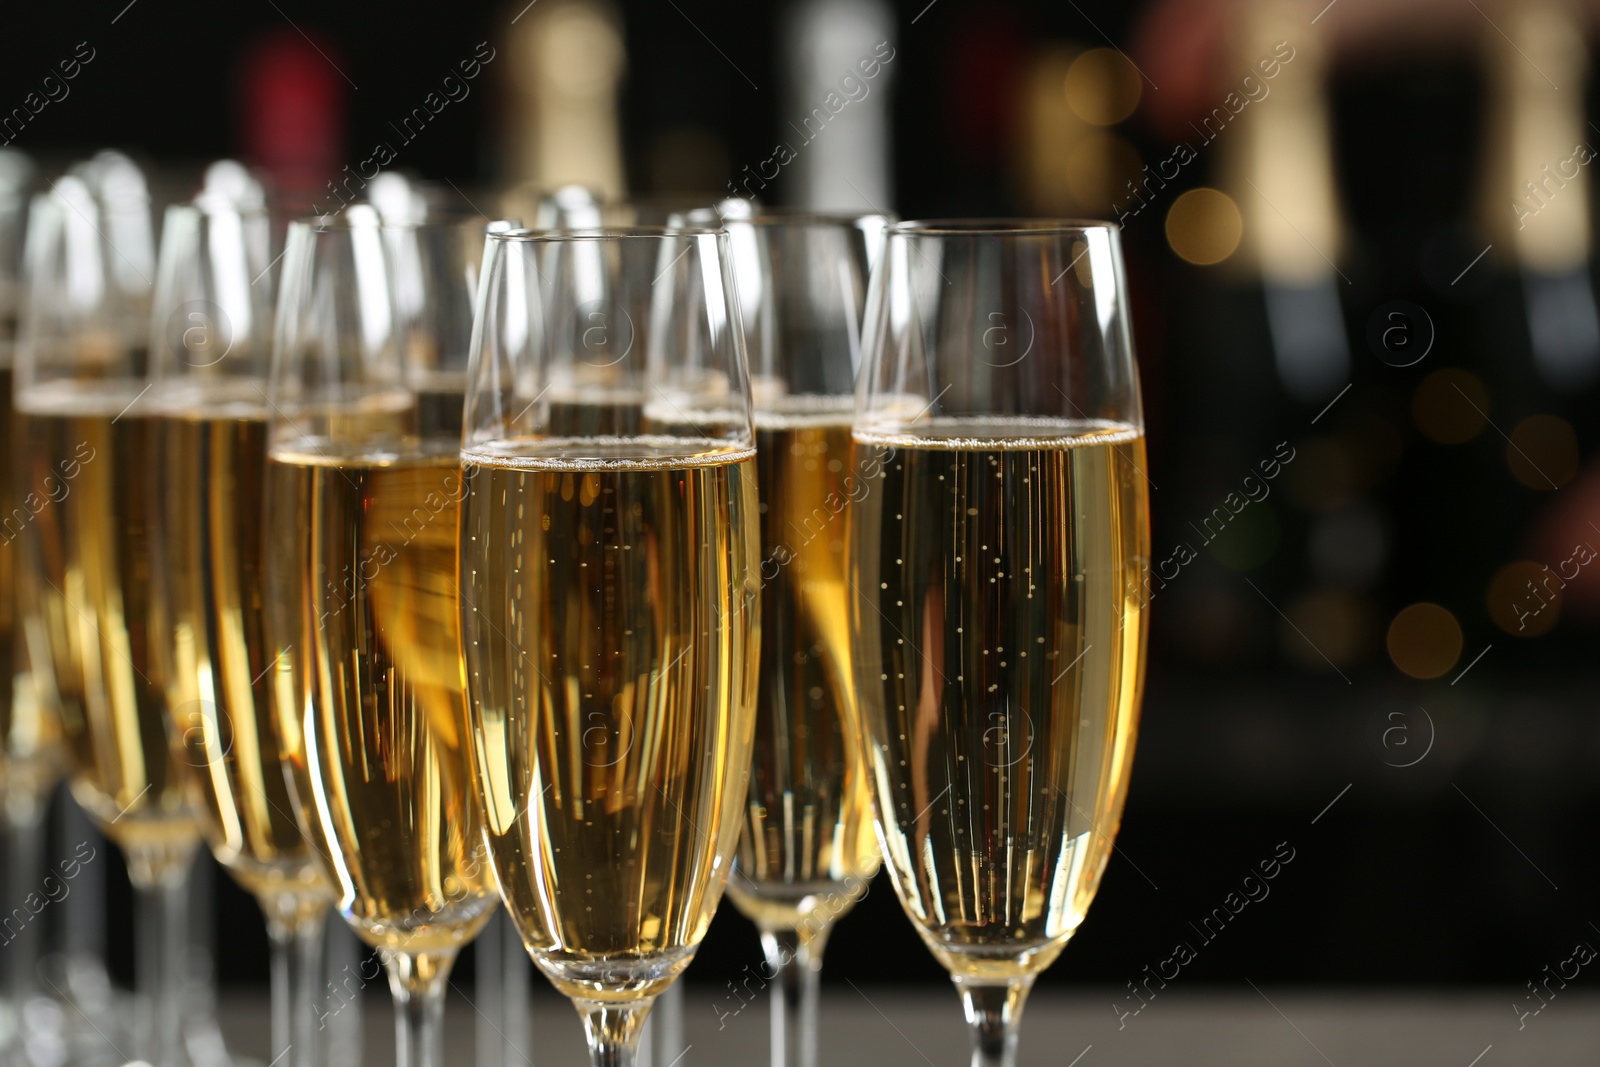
{"x":363,"y":476}
{"x":30,"y":756}
{"x":995,"y":560}
{"x":88,"y":464}
{"x":609,"y":602}
{"x":808,"y":850}
{"x":210,"y":342}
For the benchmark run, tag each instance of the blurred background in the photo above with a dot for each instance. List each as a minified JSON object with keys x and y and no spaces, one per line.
{"x":1359,"y":237}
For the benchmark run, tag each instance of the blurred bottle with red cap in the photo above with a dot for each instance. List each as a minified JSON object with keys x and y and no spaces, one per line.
{"x":294,"y":110}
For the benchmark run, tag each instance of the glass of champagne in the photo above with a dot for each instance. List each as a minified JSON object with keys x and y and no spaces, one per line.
{"x":88,"y":462}
{"x":30,"y":756}
{"x":609,"y":599}
{"x":808,"y":849}
{"x":995,"y":565}
{"x":209,"y":349}
{"x":363,"y":475}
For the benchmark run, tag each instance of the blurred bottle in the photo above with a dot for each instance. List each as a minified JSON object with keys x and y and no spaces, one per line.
{"x":293,"y":115}
{"x":1536,"y":195}
{"x":984,"y":51}
{"x":1269,"y":548}
{"x":839,"y":67}
{"x":1538,"y":371}
{"x":567,"y":60}
{"x":1278,"y":167}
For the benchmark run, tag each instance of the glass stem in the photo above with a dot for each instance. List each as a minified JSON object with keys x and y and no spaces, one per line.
{"x":994,"y":1010}
{"x":613,"y":1030}
{"x":513,"y":976}
{"x":163,"y":940}
{"x":294,"y":928}
{"x":418,"y":982}
{"x":794,"y":963}
{"x":666,"y":1018}
{"x":347,"y":969}
{"x":25,"y":879}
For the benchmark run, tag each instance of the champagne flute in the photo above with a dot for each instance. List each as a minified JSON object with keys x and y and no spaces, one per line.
{"x":579,"y":207}
{"x":363,"y":480}
{"x":88,"y":460}
{"x":29,"y":734}
{"x":609,"y":599}
{"x":808,"y":849}
{"x":209,"y":347}
{"x":995,"y":562}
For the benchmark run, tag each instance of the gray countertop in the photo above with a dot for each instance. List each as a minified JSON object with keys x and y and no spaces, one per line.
{"x":878,"y":1026}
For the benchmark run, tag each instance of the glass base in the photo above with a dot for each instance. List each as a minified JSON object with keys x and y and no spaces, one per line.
{"x":617,"y":979}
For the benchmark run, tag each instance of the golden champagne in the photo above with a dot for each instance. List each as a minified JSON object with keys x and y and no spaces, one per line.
{"x":213,"y":456}
{"x":1000,"y":661}
{"x":610,"y":629}
{"x":30,"y":735}
{"x":808,"y":849}
{"x":14,"y":517}
{"x":88,"y":448}
{"x":373,"y":645}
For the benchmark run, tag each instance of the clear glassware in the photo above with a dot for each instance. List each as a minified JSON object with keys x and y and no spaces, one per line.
{"x":996,"y":559}
{"x":30,"y":756}
{"x":128,"y":237}
{"x":87,"y":460}
{"x":363,"y":481}
{"x":610,"y":602}
{"x":16,"y":180}
{"x":808,"y":850}
{"x":210,"y":344}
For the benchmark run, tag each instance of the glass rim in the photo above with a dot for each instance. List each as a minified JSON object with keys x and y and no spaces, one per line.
{"x":432,"y":220}
{"x":997,"y":227}
{"x":532,"y":235}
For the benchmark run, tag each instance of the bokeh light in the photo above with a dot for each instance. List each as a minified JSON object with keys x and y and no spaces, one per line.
{"x":1204,"y":226}
{"x":1450,"y":406}
{"x":1102,"y":87}
{"x":1524,"y":598}
{"x":1327,"y":622}
{"x":1424,"y":640}
{"x":1543,"y":452}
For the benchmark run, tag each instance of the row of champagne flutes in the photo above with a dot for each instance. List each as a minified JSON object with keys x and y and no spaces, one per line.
{"x":494,"y":563}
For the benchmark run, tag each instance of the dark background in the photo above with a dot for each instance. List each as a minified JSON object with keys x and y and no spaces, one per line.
{"x":1474,"y":865}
